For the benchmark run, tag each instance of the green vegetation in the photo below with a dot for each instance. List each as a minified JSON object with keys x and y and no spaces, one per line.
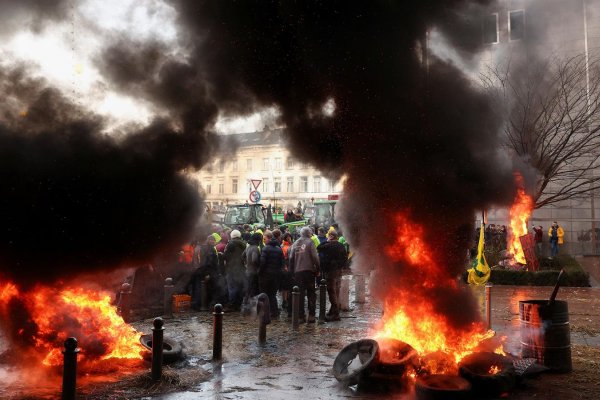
{"x":547,"y":275}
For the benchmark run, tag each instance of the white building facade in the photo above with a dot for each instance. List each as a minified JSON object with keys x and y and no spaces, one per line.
{"x":262,"y":157}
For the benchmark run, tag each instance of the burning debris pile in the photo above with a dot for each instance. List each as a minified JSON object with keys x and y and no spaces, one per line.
{"x":520,"y":212}
{"x":42,"y":318}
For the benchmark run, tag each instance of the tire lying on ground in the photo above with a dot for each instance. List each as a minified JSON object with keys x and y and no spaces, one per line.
{"x":396,"y":357}
{"x":442,"y":387}
{"x":490,"y":374}
{"x":356,"y":361}
{"x":172,"y":350}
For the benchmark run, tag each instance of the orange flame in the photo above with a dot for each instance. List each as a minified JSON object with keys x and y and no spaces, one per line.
{"x":409,"y":310}
{"x":519,"y":214}
{"x":494,"y":369}
{"x":85,"y":314}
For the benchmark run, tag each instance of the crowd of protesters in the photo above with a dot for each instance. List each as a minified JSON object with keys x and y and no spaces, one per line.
{"x":234,"y":266}
{"x":495,"y":237}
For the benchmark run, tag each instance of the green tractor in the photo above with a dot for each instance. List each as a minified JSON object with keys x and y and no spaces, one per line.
{"x":254,"y":215}
{"x":321,"y":213}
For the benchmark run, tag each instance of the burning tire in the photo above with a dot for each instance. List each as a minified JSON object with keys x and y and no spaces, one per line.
{"x":442,"y":387}
{"x":489,"y":373}
{"x":172,"y":350}
{"x":356,"y":361}
{"x":395,"y":357}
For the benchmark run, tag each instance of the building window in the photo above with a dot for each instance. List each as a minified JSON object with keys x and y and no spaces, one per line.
{"x":265,"y":164}
{"x":317,"y":184}
{"x":490,"y":28}
{"x":277,"y":164}
{"x":304,"y":184}
{"x":221,"y":165}
{"x":290,"y":163}
{"x":516,"y":24}
{"x":208,"y":188}
{"x":234,"y":165}
{"x":290,"y":184}
{"x":221,"y":188}
{"x":277,"y":185}
{"x":234,"y":185}
{"x":249,"y":164}
{"x":265,"y":184}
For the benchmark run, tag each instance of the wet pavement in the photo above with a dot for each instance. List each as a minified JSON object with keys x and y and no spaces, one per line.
{"x":298,"y":364}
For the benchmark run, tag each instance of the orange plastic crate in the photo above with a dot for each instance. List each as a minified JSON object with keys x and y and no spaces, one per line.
{"x":181,"y":302}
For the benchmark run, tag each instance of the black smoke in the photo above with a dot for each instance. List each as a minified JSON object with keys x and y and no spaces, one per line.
{"x":409,"y":131}
{"x":77,"y":200}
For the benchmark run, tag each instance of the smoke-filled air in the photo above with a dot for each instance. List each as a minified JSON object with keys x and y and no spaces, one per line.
{"x":355,"y":85}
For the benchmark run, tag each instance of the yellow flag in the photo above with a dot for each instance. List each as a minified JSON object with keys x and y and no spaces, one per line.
{"x":479,"y":274}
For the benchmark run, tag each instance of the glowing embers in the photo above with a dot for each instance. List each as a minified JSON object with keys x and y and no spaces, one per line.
{"x":47,"y":316}
{"x":519,"y":214}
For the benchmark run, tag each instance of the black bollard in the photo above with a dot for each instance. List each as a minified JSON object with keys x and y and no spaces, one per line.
{"x":218,"y":332}
{"x":204,"y":295}
{"x":322,"y":300}
{"x":69,"y":369}
{"x":157,"y":348}
{"x":295,"y":306}
{"x":125,"y":302}
{"x":263,"y":311}
{"x":168,"y":300}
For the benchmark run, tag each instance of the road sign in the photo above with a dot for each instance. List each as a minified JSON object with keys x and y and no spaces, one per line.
{"x":255,"y":196}
{"x":256,"y":183}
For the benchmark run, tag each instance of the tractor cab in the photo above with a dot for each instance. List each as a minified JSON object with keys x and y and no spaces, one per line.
{"x":240,"y":214}
{"x":321,"y":213}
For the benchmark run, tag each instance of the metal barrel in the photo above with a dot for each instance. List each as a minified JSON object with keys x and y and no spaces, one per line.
{"x":545,"y":333}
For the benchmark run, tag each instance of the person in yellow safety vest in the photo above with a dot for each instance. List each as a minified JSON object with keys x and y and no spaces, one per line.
{"x":314,"y":238}
{"x":556,"y":234}
{"x":261,"y":244}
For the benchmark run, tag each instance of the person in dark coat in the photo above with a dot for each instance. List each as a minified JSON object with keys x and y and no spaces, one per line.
{"x":269,"y":272}
{"x":251,"y":258}
{"x":333,"y":257}
{"x":235,"y":271}
{"x":208,"y":271}
{"x":304,"y":264}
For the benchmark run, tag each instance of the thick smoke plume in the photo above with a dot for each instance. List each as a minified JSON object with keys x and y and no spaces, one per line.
{"x":76,"y":200}
{"x":408,"y":131}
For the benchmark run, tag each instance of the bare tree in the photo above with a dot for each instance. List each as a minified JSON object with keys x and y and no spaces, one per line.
{"x":552,"y":121}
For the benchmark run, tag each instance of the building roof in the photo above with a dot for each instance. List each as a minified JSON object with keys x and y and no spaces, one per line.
{"x":268,"y":137}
